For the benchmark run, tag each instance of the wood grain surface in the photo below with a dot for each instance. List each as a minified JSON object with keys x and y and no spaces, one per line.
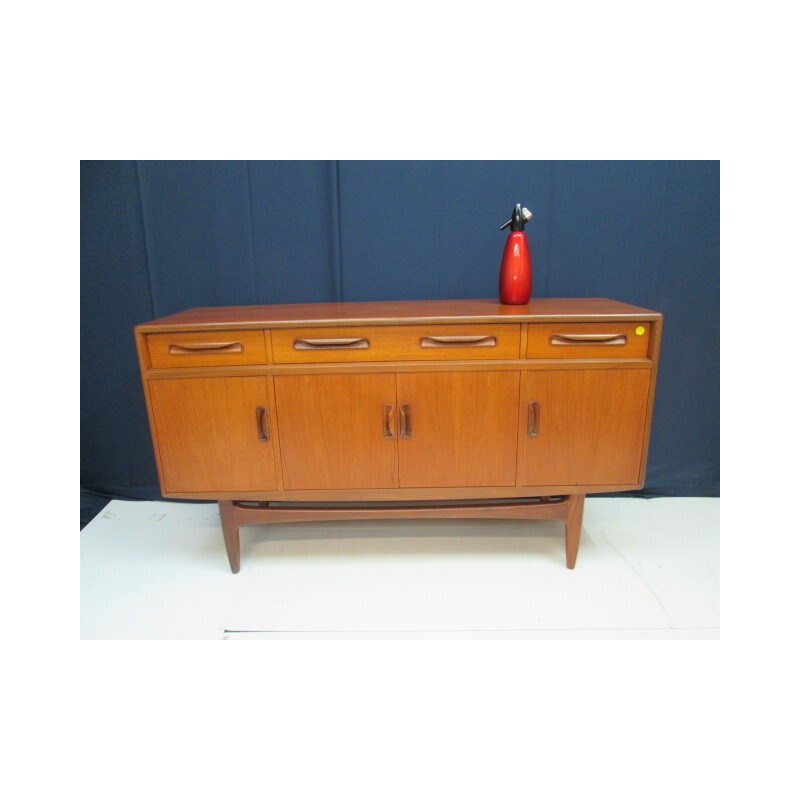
{"x":206,"y":349}
{"x":570,"y":340}
{"x":463,"y":428}
{"x":396,"y":343}
{"x":591,"y":426}
{"x":390,"y":495}
{"x":398,"y":312}
{"x":332,"y":431}
{"x":208,"y":435}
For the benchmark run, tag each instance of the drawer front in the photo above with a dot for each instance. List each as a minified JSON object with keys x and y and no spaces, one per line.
{"x":588,"y":340}
{"x":395,"y":343}
{"x":206,"y":349}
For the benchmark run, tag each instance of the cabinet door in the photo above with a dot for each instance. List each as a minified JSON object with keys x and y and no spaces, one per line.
{"x":460,"y":428}
{"x":583,"y":426}
{"x":337,"y":431}
{"x":214,"y":434}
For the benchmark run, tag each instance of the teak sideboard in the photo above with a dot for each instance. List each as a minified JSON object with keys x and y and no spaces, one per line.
{"x":411,"y":409}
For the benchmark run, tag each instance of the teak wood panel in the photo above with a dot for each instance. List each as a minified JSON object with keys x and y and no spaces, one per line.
{"x":206,"y":349}
{"x":398,"y":366}
{"x":402,"y":495}
{"x":395,"y":343}
{"x":619,"y":339}
{"x":463,"y":428}
{"x":590,"y":427}
{"x":398,"y":312}
{"x":209,"y":434}
{"x":333,"y":431}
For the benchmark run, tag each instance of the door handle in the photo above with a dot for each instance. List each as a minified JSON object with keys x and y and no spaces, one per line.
{"x":262,"y":424}
{"x":533,"y":418}
{"x":405,"y":421}
{"x":588,"y":338}
{"x":209,"y":347}
{"x":458,"y":341}
{"x":355,"y":343}
{"x":388,"y":421}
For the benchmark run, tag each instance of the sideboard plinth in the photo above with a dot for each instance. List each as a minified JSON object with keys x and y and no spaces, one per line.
{"x":568,"y":508}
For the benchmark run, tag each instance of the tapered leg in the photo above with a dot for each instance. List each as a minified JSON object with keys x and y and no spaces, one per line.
{"x":230,"y":531}
{"x":569,"y":509}
{"x":573,"y":525}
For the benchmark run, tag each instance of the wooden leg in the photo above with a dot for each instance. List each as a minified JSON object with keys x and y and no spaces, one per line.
{"x":569,"y":509}
{"x":573,"y":524}
{"x":230,"y":531}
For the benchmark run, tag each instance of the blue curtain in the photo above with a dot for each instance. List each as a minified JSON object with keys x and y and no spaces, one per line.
{"x":161,"y":236}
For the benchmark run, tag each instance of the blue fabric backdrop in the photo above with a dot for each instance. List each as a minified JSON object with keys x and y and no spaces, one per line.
{"x":161,"y":236}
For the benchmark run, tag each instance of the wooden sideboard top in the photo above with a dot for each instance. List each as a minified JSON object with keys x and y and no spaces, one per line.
{"x":398,"y":312}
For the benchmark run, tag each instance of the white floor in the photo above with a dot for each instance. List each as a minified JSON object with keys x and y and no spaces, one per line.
{"x":647,"y":569}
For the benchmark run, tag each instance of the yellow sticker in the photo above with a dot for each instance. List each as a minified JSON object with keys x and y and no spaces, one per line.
{"x":639,"y":331}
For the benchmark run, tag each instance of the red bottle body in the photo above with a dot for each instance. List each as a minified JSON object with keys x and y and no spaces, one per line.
{"x":515,"y":270}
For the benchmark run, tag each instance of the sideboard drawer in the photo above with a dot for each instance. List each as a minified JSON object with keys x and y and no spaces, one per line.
{"x":395,"y":343}
{"x":206,"y":349}
{"x":588,"y":340}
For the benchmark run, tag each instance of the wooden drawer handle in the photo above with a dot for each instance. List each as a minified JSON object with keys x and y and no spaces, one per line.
{"x":458,"y":341}
{"x":205,"y":347}
{"x":588,"y":338}
{"x":533,"y":418}
{"x":331,"y":344}
{"x":405,"y":421}
{"x":262,"y":424}
{"x":388,"y":421}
